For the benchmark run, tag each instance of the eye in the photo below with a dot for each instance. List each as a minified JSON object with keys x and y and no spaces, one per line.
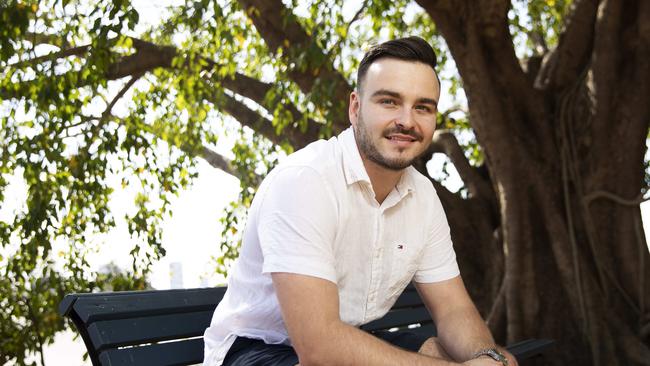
{"x":387,"y":101}
{"x":423,"y":108}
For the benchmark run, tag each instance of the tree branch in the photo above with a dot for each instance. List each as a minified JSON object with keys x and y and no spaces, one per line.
{"x":107,"y":114}
{"x":637,"y":91}
{"x":150,"y":56}
{"x":43,"y":38}
{"x":75,"y":51}
{"x":147,"y":58}
{"x":218,"y":161}
{"x":249,"y":118}
{"x":35,"y":325}
{"x":162,"y":54}
{"x":213,"y":158}
{"x":119,"y":95}
{"x":356,"y":16}
{"x":447,"y":16}
{"x":279,"y":28}
{"x":565,"y":63}
{"x":445,"y":142}
{"x":605,"y":70}
{"x":256,"y":91}
{"x":448,"y":198}
{"x":644,"y":25}
{"x":588,"y":198}
{"x":252,"y":119}
{"x":479,"y":39}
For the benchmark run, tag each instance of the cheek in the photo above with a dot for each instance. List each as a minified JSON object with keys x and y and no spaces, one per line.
{"x":382,"y":121}
{"x":372,"y":119}
{"x":428,"y":130}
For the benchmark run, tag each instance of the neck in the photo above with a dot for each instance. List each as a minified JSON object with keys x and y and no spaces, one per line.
{"x":383,"y":180}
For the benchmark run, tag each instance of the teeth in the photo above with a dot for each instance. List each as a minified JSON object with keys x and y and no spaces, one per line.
{"x":400,"y":138}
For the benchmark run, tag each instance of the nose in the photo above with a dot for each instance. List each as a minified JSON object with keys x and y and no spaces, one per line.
{"x":405,"y":120}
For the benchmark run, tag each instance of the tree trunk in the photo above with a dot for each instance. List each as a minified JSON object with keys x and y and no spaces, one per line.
{"x":564,"y":148}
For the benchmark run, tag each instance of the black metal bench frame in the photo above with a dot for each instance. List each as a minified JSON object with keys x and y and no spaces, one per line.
{"x":166,"y":327}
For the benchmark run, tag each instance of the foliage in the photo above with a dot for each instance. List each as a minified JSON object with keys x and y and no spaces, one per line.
{"x":90,"y":91}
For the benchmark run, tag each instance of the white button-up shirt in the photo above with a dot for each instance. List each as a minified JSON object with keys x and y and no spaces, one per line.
{"x":316,"y":214}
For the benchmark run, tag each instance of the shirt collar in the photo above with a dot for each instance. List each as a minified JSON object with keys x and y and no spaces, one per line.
{"x":406,"y":184}
{"x":352,"y":164}
{"x":355,"y":171}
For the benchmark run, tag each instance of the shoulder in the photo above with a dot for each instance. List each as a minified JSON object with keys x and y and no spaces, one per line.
{"x":319,"y":155}
{"x":421,"y":183}
{"x":307,"y":175}
{"x":318,"y":161}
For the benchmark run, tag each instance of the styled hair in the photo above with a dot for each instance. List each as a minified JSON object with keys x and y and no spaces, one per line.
{"x":411,"y":48}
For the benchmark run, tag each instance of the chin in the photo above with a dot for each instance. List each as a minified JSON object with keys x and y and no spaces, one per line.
{"x":399,"y":163}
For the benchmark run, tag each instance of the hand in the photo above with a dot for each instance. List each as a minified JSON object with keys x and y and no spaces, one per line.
{"x":482,"y":361}
{"x":512,"y":361}
{"x":486,"y":360}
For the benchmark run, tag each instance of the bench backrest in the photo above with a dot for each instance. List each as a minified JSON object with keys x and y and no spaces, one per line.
{"x":143,"y":327}
{"x":166,"y":327}
{"x":408,"y":312}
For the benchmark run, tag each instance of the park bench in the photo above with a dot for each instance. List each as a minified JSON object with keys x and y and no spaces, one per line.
{"x":166,"y":327}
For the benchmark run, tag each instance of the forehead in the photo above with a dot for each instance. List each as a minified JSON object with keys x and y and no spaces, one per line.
{"x":408,"y":78}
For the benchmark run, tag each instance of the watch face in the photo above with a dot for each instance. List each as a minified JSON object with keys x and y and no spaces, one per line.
{"x":497,"y":356}
{"x":494,"y":354}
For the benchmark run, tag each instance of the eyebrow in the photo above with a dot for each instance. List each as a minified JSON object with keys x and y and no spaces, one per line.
{"x":394,"y":94}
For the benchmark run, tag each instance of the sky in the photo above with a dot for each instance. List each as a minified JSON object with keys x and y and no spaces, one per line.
{"x":192,"y":235}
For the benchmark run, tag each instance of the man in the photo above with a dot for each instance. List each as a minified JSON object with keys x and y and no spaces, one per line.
{"x":337,"y":231}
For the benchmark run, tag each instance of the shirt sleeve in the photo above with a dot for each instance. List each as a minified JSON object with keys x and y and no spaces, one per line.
{"x":297,"y":224}
{"x":438,"y":260}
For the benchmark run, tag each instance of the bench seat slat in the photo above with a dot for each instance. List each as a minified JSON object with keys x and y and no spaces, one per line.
{"x":133,"y":331}
{"x":95,"y":307}
{"x":427,"y":329}
{"x":529,"y":348}
{"x":185,"y":352}
{"x":408,"y":299}
{"x":398,"y":318}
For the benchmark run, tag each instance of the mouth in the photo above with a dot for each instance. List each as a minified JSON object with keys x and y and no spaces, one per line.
{"x":405,"y":138}
{"x":401,"y":140}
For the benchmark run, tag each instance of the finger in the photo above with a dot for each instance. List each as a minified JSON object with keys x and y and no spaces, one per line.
{"x":512,"y":361}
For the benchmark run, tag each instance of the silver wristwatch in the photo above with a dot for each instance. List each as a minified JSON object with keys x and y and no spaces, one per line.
{"x":494,"y":353}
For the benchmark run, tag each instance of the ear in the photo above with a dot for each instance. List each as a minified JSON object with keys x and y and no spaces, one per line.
{"x":353,"y":108}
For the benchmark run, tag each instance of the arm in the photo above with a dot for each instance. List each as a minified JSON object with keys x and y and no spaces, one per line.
{"x":461,"y":330}
{"x":310,"y":308}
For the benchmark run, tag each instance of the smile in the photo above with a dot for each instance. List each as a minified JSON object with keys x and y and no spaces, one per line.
{"x":401,"y":138}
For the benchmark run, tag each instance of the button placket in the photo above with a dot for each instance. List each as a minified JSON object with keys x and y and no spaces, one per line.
{"x":377,"y":263}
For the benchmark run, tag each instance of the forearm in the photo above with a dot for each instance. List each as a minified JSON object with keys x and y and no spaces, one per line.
{"x":345,"y":345}
{"x":462,"y":332}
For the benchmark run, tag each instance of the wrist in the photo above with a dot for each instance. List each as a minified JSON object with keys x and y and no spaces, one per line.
{"x":494,"y":353}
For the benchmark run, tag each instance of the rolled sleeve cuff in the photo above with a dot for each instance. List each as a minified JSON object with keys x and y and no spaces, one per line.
{"x":299,"y":265}
{"x":437,"y":275}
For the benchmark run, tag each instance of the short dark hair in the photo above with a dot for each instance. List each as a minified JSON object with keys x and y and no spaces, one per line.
{"x":408,"y":49}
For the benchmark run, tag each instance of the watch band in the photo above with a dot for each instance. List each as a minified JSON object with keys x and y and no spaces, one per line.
{"x":494,"y":354}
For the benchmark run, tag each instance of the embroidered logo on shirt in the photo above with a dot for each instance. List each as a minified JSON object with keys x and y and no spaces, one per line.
{"x":400,"y":246}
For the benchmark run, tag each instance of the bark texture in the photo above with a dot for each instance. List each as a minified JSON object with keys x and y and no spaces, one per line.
{"x":564,"y":148}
